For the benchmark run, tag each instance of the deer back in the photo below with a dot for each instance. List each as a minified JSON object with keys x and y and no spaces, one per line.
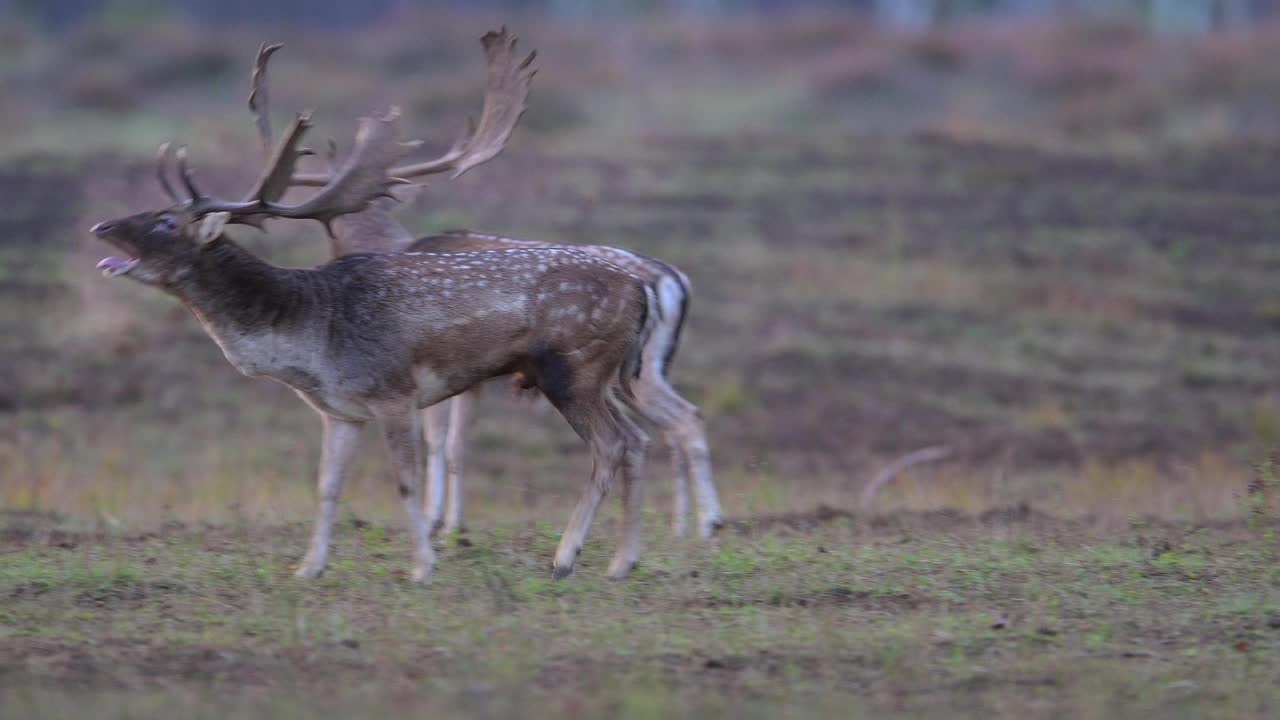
{"x":646,"y":268}
{"x":439,"y":323}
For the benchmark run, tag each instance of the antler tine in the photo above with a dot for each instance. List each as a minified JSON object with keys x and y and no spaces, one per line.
{"x":270,"y":185}
{"x":331,"y":155}
{"x":281,"y":163}
{"x":187,"y":175}
{"x":461,"y":142}
{"x":162,"y":172}
{"x":505,"y":100}
{"x":319,"y":179}
{"x":259,"y":104}
{"x":274,"y":181}
{"x":198,"y":202}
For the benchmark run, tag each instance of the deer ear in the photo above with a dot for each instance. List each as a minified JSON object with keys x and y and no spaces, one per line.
{"x":211,"y":226}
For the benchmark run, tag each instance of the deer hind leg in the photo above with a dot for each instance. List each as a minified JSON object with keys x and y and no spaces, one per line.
{"x":679,"y":485}
{"x":582,"y":397}
{"x":601,"y":432}
{"x":436,"y":420}
{"x":634,"y":454}
{"x":337,"y":447}
{"x":682,"y":425}
{"x":403,"y":432}
{"x":459,"y":414}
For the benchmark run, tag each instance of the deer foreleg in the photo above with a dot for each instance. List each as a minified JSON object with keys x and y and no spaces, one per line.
{"x":403,"y":433}
{"x":459,"y":410}
{"x":337,"y":447}
{"x":436,"y":419}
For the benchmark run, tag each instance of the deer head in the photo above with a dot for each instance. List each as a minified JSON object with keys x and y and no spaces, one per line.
{"x":161,"y":246}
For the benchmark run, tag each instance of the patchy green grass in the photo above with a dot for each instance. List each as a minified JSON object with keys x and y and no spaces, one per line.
{"x":1013,"y":614}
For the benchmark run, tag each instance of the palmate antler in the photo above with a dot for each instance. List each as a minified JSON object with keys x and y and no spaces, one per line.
{"x":362,"y":178}
{"x":506,"y":94}
{"x":505,"y":100}
{"x":258,"y":102}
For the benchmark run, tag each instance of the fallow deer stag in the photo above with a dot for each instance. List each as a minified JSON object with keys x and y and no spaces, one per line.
{"x":374,"y":229}
{"x":382,"y":336}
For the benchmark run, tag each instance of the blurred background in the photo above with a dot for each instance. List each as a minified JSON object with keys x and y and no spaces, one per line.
{"x":1040,"y":233}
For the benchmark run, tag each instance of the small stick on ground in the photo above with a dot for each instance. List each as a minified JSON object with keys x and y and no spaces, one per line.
{"x":888,"y":472}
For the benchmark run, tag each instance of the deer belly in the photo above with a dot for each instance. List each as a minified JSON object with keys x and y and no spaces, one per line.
{"x":328,"y":396}
{"x":335,"y":404}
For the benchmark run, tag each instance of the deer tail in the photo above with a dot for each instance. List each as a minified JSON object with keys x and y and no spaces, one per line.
{"x":633,"y":362}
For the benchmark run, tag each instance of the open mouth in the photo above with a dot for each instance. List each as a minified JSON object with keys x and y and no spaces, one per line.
{"x":112,"y":266}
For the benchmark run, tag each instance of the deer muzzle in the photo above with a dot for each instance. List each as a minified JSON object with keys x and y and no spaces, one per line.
{"x":113,"y":265}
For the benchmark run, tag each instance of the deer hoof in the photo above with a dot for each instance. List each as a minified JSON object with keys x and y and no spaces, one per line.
{"x":708,"y":528}
{"x":620,"y":569}
{"x":560,"y":572}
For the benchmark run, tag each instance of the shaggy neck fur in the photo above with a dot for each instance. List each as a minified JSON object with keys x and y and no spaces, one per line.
{"x":234,"y":293}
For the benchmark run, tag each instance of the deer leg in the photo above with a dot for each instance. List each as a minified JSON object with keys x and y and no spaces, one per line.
{"x":678,"y":418}
{"x":403,"y":432}
{"x":436,"y":419}
{"x":699,"y":457}
{"x":459,"y":410}
{"x":337,"y":447}
{"x":679,"y":485}
{"x":597,"y":426}
{"x":634,"y":454}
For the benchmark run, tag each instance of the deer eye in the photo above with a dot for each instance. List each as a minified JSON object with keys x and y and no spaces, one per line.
{"x":164,"y":225}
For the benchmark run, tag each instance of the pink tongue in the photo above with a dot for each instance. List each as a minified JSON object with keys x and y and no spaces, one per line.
{"x":111,"y":263}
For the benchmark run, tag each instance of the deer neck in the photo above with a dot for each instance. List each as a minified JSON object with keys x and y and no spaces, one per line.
{"x":371,"y":230}
{"x":251,"y":308}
